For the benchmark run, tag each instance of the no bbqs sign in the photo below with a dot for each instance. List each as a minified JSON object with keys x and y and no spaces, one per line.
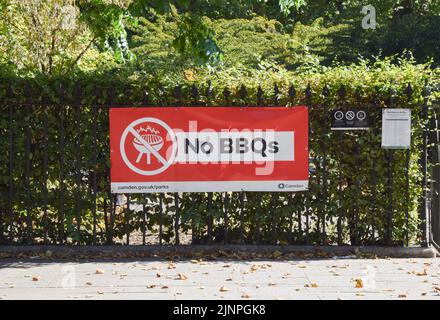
{"x":207,"y":149}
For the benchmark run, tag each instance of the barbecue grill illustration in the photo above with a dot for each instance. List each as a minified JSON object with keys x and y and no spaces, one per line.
{"x":152,"y":137}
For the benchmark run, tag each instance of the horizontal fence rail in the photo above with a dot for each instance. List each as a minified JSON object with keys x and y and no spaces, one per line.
{"x":55,"y":184}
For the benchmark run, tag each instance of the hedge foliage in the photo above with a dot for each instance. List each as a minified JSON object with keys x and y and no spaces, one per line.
{"x":348,"y":197}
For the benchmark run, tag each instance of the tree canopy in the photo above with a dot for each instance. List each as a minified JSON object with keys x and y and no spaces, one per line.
{"x":63,"y":36}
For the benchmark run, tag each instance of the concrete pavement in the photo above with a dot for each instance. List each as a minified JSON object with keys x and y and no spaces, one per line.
{"x":341,"y":278}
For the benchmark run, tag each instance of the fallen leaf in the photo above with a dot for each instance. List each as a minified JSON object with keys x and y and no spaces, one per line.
{"x":151,"y":286}
{"x":158,"y":275}
{"x":99,"y":271}
{"x":402,"y":295}
{"x":437,"y":289}
{"x":100,"y":292}
{"x":164,"y":287}
{"x":228,"y":279}
{"x":272,"y":284}
{"x":36,"y":278}
{"x":424,"y":293}
{"x":245,"y":296}
{"x":314,"y":285}
{"x":359,"y":283}
{"x":424,"y":273}
{"x":88,"y":283}
{"x":194,"y":261}
{"x":181,"y":276}
{"x":224,"y":289}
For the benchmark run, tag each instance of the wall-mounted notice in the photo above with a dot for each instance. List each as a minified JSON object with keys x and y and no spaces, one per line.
{"x":396,"y":128}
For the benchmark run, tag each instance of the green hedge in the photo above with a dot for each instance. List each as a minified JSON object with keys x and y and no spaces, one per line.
{"x":353,"y":202}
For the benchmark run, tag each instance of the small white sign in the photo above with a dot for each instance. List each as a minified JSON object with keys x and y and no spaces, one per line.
{"x":396,"y":128}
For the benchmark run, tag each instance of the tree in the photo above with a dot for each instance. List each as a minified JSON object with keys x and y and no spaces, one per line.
{"x":54,"y":35}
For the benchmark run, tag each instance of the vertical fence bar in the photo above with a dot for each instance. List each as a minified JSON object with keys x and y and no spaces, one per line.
{"x":424,"y":162}
{"x":161,"y":93}
{"x":341,"y":200}
{"x":276,"y":217}
{"x":226,"y":95}
{"x":341,"y":135}
{"x":94,"y":161}
{"x":373,"y":199}
{"x":112,"y":198}
{"x":198,"y":197}
{"x":390,"y":214}
{"x":144,"y":219}
{"x":409,"y":93}
{"x":78,"y":160}
{"x":178,"y":99}
{"x":210,"y":221}
{"x":127,"y":221}
{"x":308,"y":97}
{"x":45,"y":173}
{"x":226,"y":219}
{"x":325,"y":93}
{"x":127,"y":212}
{"x":11,"y":164}
{"x":258,"y":211}
{"x":160,"y":217}
{"x":374,"y":194}
{"x":291,"y":97}
{"x":242,"y":93}
{"x":27,"y":172}
{"x":61,"y":106}
{"x":210,"y":218}
{"x":389,"y":223}
{"x":356,"y":200}
{"x":145,"y":102}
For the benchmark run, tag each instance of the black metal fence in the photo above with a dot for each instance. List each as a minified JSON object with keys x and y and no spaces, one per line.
{"x":55,"y":188}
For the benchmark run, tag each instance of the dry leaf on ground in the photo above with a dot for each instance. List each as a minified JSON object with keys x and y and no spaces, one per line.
{"x":359,"y":283}
{"x":223,"y":289}
{"x":181,"y":276}
{"x":99,"y":271}
{"x":36,"y":278}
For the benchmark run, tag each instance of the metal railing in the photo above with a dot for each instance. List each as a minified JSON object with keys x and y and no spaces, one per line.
{"x":55,"y":169}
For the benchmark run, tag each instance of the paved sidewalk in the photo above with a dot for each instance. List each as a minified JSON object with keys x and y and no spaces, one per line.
{"x":194,"y":279}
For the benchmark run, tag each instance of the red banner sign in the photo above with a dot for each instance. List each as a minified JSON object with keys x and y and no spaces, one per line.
{"x":207,"y":149}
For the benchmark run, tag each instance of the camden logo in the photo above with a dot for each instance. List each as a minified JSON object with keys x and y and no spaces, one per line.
{"x":286,"y":186}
